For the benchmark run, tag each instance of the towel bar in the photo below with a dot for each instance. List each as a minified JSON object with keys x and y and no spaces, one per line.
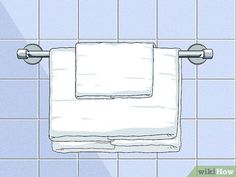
{"x":196,"y":54}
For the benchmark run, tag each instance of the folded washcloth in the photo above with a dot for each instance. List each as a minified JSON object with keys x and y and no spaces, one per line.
{"x":111,"y":70}
{"x":115,"y":125}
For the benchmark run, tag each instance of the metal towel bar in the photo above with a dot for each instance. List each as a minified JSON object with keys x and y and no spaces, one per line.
{"x":197,"y":54}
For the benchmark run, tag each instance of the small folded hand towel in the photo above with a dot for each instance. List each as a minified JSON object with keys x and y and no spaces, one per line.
{"x":114,"y":70}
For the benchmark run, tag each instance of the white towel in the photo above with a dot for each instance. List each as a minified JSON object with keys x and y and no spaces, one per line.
{"x":115,"y":125}
{"x":113,"y":70}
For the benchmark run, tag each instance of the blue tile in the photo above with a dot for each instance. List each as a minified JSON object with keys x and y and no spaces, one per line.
{"x":188,"y":99}
{"x":216,"y":139}
{"x":19,"y":168}
{"x":216,"y":99}
{"x":176,"y":168}
{"x":59,"y":19}
{"x":137,"y":155}
{"x":19,"y":138}
{"x":188,"y":139}
{"x":45,"y":144}
{"x":47,"y":45}
{"x":223,"y":63}
{"x":58,"y":168}
{"x":18,"y":99}
{"x":137,"y":19}
{"x":11,"y":67}
{"x":154,"y":41}
{"x":94,"y":155}
{"x":176,"y":19}
{"x":18,"y":19}
{"x":44,"y":99}
{"x":216,"y":162}
{"x":137,"y":168}
{"x":44,"y":68}
{"x":97,"y":19}
{"x":98,"y":168}
{"x":216,"y":20}
{"x":188,"y":69}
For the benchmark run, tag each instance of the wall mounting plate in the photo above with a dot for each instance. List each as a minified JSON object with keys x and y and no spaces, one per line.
{"x":197,"y":60}
{"x":33,"y":60}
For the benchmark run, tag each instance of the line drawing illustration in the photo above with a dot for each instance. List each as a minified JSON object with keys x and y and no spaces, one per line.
{"x":115,"y":97}
{"x":117,"y":88}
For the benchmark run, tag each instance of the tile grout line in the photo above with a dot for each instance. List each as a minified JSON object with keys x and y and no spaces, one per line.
{"x":192,"y":39}
{"x":235,"y":85}
{"x":156,"y":21}
{"x":99,"y":39}
{"x":197,"y":109}
{"x":78,"y":162}
{"x":78,"y":35}
{"x":78,"y":23}
{"x":38,"y":127}
{"x":184,"y":118}
{"x":210,"y":79}
{"x":117,"y":40}
{"x":118,"y":165}
{"x":197,"y":120}
{"x":47,"y":79}
{"x":157,"y":44}
{"x":118,"y":20}
{"x":24,"y":79}
{"x":21,"y":119}
{"x":38,"y":96}
{"x":157,"y":165}
{"x":114,"y":158}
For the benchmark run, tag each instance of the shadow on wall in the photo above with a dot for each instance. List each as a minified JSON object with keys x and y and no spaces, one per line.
{"x":11,"y":66}
{"x":10,"y":27}
{"x":15,"y":68}
{"x":98,"y":168}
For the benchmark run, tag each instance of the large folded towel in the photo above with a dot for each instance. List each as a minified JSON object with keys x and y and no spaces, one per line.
{"x":115,"y":125}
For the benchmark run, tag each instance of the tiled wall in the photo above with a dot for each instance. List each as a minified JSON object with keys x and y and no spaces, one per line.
{"x":208,"y":118}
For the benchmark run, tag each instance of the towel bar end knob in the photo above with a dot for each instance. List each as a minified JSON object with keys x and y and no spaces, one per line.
{"x":22,"y":54}
{"x":208,"y":54}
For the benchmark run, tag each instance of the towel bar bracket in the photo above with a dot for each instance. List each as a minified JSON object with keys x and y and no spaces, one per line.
{"x":206,"y":54}
{"x":196,"y":54}
{"x":32,"y":54}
